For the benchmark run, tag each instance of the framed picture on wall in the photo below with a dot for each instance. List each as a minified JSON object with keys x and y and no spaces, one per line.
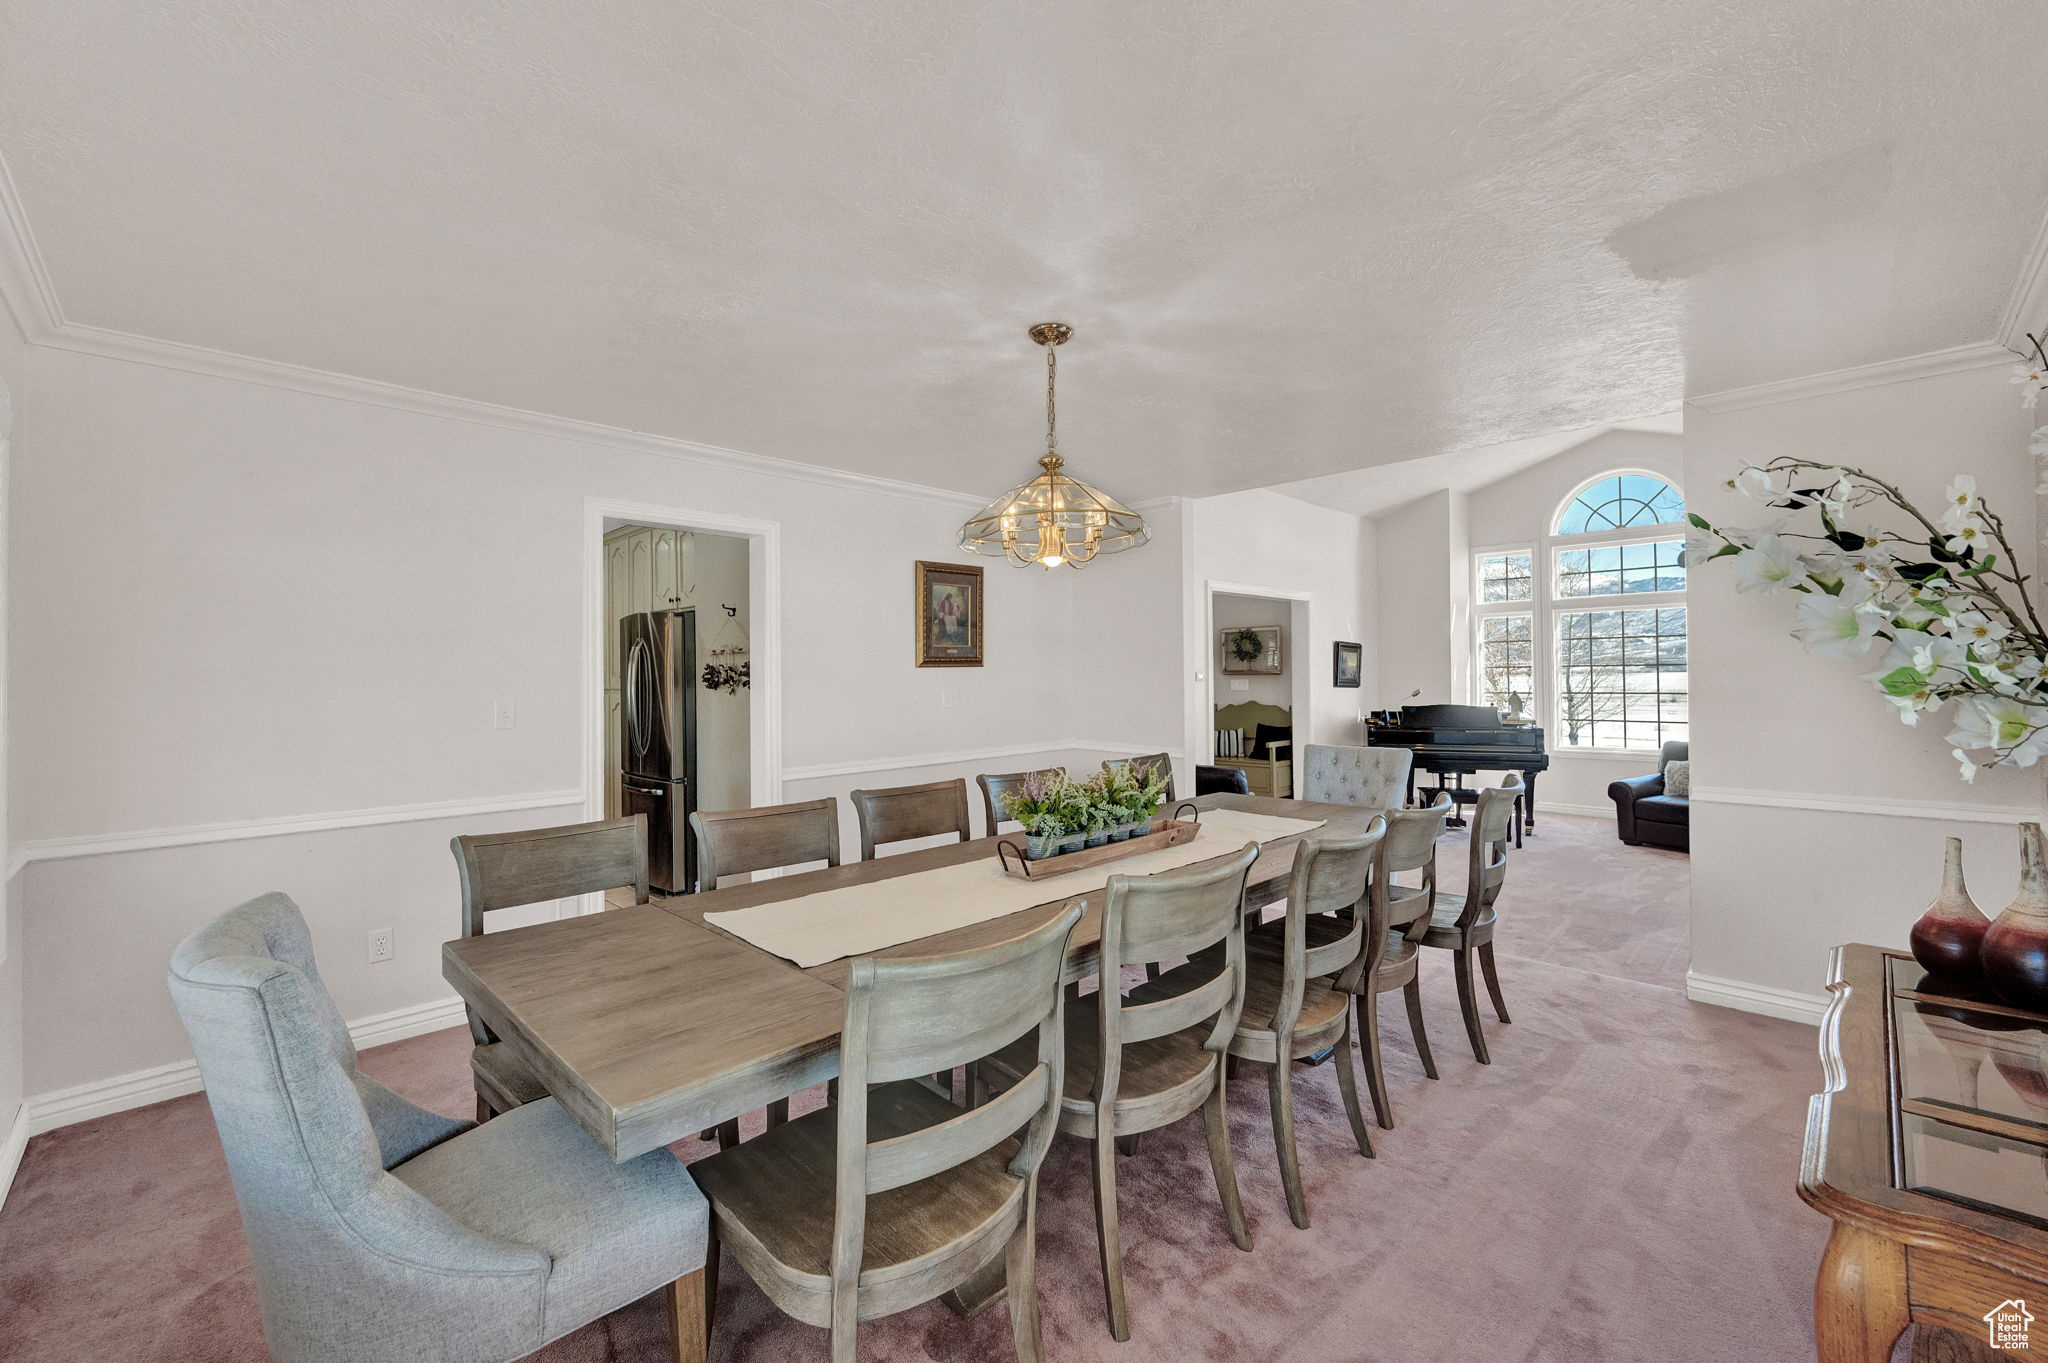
{"x":948,"y":615}
{"x":1251,"y":651}
{"x":1348,"y":665}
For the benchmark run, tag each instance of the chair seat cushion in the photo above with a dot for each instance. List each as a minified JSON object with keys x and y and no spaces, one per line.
{"x":614,"y":1231}
{"x":499,"y":1071}
{"x":1664,"y":809}
{"x":779,"y":1189}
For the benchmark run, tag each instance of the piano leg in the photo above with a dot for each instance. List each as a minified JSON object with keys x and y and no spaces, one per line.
{"x":1457,"y":819}
{"x":1528,"y":803}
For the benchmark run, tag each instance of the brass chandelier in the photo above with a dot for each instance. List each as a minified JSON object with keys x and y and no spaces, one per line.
{"x":1054,"y":518}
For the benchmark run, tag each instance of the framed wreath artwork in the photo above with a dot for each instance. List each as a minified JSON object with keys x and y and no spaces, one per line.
{"x":948,"y":615}
{"x":1251,"y":650}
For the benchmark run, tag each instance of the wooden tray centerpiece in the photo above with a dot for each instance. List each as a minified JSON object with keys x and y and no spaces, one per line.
{"x":1184,"y":826}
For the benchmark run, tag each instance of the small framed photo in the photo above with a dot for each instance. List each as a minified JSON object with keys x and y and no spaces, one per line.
{"x":1348,"y":665}
{"x":948,"y":615}
{"x":1251,"y":650}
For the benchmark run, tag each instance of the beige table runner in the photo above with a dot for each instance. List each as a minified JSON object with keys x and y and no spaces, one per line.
{"x":854,"y":920}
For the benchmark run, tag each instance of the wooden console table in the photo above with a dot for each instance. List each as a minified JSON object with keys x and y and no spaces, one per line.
{"x":1929,"y":1150}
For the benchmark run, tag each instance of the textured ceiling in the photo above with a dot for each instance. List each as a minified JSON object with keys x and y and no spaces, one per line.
{"x":1293,"y":239}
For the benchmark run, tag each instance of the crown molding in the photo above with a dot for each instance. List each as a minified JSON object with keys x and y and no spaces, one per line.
{"x":25,"y":288}
{"x":1954,"y":360}
{"x":103,"y":343}
{"x":2027,"y":309}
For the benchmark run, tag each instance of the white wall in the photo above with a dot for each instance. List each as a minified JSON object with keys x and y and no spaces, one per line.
{"x":15,"y":409}
{"x":1793,"y":756}
{"x":1261,"y":539}
{"x":246,"y":603}
{"x":1419,"y":563}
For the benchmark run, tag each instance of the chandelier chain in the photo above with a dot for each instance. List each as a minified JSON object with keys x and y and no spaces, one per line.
{"x":1052,"y":365}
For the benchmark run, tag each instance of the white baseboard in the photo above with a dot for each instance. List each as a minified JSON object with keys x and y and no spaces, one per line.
{"x":1789,"y":1004}
{"x":140,"y":1088}
{"x":1547,"y":807}
{"x":10,"y":1150}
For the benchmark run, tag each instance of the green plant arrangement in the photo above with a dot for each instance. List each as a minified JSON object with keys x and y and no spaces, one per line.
{"x":1943,"y":599}
{"x":1060,"y":814}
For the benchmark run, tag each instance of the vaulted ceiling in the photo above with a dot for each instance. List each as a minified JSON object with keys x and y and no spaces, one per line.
{"x":1293,"y":239}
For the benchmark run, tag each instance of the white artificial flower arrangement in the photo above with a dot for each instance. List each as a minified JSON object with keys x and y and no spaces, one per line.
{"x":1946,"y":600}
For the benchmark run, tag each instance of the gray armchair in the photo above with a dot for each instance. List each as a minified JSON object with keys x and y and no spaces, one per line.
{"x":1644,"y":813}
{"x":1376,"y":778}
{"x":385,"y":1233}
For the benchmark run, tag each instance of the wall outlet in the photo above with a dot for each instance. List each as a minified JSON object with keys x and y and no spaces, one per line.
{"x":1240,"y":684}
{"x":380,"y":945}
{"x":503,"y":716}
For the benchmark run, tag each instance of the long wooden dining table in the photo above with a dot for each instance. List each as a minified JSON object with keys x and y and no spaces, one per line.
{"x":649,"y":1025}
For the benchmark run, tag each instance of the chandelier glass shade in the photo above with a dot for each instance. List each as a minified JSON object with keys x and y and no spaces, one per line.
{"x":1054,"y":518}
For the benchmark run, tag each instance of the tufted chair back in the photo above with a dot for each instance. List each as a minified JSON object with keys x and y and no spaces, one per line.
{"x":1373,"y":778}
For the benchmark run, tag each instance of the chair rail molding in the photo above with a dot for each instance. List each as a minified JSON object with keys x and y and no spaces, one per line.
{"x":967,"y":757}
{"x":1886,"y":806}
{"x":284,"y":825}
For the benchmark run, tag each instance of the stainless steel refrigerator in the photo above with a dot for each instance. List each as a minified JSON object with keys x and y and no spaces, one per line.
{"x":658,"y":739}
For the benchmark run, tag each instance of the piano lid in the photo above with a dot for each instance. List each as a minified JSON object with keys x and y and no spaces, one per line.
{"x":1450,"y":717}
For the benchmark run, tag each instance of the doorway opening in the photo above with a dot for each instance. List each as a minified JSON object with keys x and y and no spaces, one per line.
{"x":682,"y":709}
{"x":1258,"y":693}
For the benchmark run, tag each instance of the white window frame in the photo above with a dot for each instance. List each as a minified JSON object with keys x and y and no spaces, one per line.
{"x":1545,"y":606}
{"x":1532,"y":607}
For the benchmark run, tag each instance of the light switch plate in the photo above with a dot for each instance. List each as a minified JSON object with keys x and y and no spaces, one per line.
{"x":1240,"y":684}
{"x":503,"y":715}
{"x":949,"y":699}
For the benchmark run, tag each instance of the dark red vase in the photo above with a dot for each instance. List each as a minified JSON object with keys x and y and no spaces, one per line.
{"x":2015,"y":950}
{"x":1948,"y":938}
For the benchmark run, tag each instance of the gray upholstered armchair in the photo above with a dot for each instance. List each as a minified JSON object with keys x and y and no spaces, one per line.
{"x":1645,"y":812}
{"x":1376,"y":778}
{"x":383,"y":1232}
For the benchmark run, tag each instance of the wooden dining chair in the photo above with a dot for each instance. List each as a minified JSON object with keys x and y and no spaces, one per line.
{"x":993,"y":788}
{"x":1393,"y":952}
{"x":532,"y":866}
{"x":731,"y":842}
{"x":1292,"y":1006}
{"x":893,"y":1196}
{"x":1144,"y":768}
{"x":1463,"y":924}
{"x":1137,"y":1064}
{"x":905,"y":812}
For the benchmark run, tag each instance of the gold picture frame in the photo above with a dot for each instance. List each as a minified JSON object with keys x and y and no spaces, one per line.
{"x":946,"y":615}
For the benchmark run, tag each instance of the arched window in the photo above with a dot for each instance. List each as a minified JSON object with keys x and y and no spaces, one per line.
{"x":1620,"y":501}
{"x":1587,"y":627}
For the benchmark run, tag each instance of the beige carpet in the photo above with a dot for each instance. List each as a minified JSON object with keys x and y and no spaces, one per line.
{"x":1617,"y":1185}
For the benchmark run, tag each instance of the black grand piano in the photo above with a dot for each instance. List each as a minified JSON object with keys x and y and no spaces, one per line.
{"x":1455,"y":741}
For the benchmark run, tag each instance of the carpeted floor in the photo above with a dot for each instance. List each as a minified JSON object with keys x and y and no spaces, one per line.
{"x":1617,"y":1185}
